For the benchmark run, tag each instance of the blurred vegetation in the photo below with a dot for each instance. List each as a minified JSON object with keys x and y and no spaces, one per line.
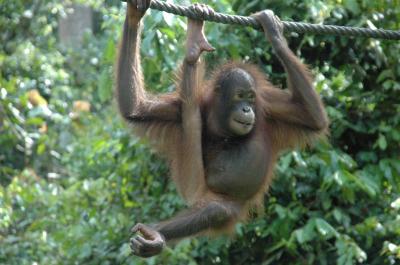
{"x":73,"y":179}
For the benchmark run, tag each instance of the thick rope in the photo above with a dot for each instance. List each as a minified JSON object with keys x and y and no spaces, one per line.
{"x":298,"y":27}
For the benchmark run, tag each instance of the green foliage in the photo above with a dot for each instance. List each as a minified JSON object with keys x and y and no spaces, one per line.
{"x":73,"y":179}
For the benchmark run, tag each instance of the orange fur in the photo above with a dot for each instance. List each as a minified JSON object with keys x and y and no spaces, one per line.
{"x":165,"y":136}
{"x":180,"y":124}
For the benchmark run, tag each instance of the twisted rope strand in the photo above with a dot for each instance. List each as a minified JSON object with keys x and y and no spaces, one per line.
{"x":298,"y":27}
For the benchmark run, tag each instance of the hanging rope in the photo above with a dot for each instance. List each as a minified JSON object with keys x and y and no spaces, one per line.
{"x":298,"y":27}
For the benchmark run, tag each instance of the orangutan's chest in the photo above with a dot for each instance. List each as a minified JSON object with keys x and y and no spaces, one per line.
{"x":237,"y":171}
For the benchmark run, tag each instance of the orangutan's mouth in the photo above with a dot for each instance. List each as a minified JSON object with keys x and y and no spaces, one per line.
{"x":246,"y":123}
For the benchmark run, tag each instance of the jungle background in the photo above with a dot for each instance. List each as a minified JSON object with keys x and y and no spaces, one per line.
{"x":73,"y":180}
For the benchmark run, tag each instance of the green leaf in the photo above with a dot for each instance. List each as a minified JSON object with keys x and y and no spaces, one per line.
{"x":338,"y":177}
{"x":325,"y":229}
{"x":105,"y":86}
{"x":382,"y":142}
{"x":85,"y":251}
{"x":352,"y":5}
{"x":41,"y":148}
{"x":280,"y":211}
{"x":168,"y":18}
{"x":388,"y":73}
{"x":306,"y":233}
{"x":109,"y":53}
